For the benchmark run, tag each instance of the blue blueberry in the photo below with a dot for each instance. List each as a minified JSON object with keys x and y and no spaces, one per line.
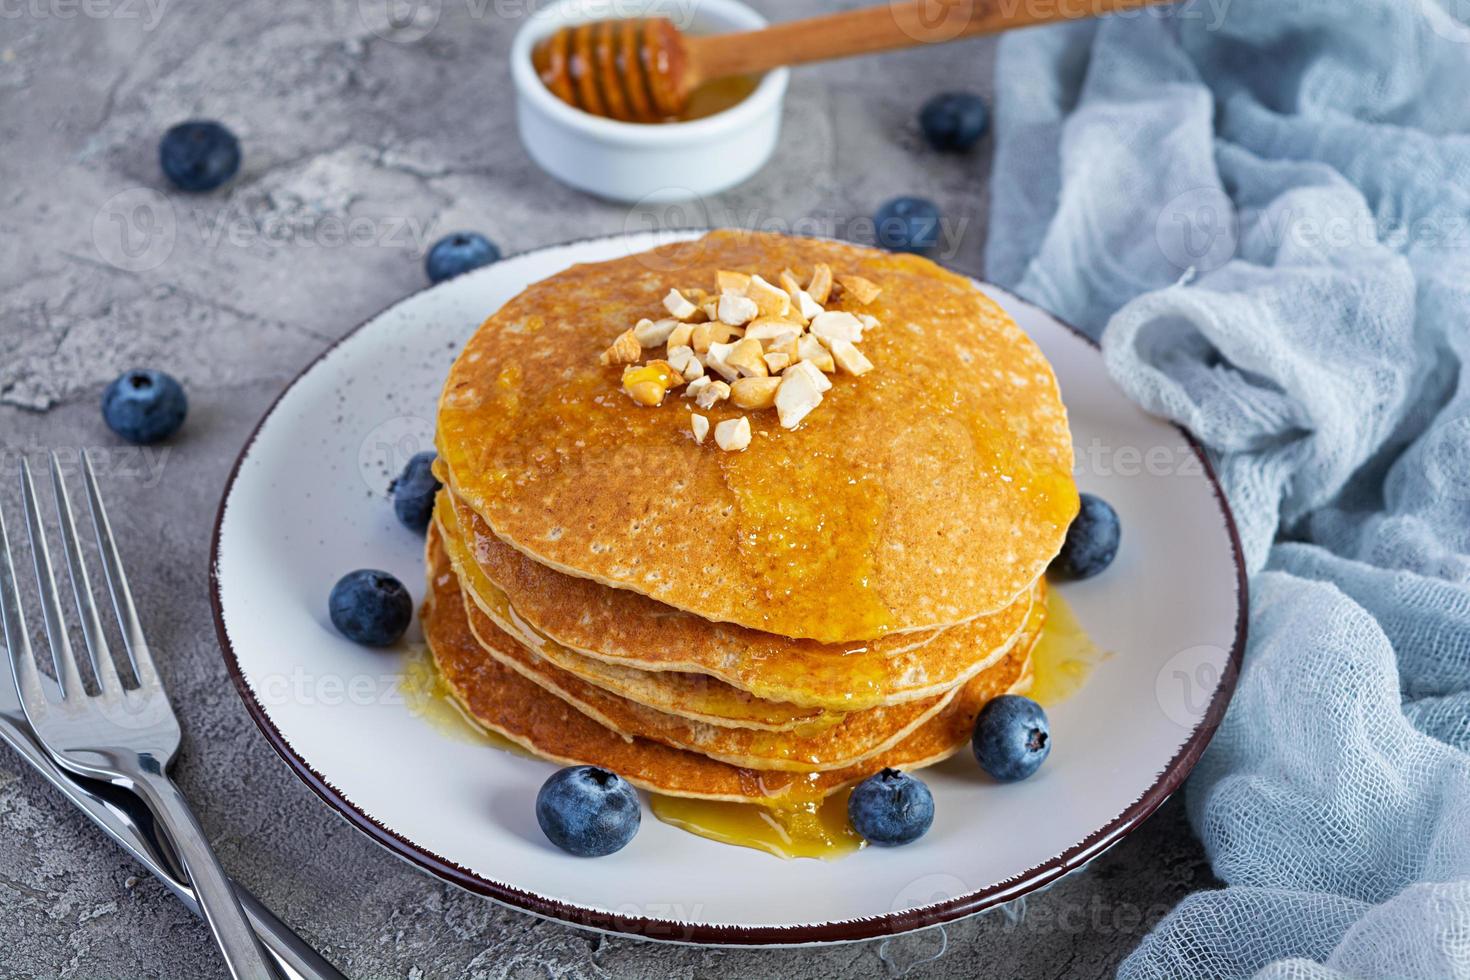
{"x":144,"y":406}
{"x":370,"y":607}
{"x":908,"y":224}
{"x":1012,"y":738}
{"x":954,"y":121}
{"x":459,"y":253}
{"x":199,"y":155}
{"x":414,"y":490}
{"x":891,"y":808}
{"x":1091,"y":542}
{"x":588,"y":811}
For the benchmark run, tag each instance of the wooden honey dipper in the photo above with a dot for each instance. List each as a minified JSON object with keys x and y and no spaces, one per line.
{"x":644,"y":69}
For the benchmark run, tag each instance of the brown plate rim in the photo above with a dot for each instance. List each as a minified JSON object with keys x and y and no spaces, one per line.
{"x":847,"y":930}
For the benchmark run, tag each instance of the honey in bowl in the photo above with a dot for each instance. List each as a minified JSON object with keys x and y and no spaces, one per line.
{"x":717,"y":95}
{"x":603,"y":69}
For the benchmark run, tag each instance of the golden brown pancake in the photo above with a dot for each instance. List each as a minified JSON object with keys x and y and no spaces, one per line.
{"x":695,"y":696}
{"x":571,"y":620}
{"x":520,"y":710}
{"x":856,"y":736}
{"x":929,"y":492}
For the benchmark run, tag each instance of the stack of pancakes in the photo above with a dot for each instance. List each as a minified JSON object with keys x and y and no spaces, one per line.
{"x":765,"y":626}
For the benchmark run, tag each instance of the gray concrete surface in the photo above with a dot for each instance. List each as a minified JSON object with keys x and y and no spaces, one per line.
{"x":396,"y":136}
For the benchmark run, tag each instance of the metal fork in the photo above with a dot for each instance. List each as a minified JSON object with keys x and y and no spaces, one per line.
{"x":125,"y":736}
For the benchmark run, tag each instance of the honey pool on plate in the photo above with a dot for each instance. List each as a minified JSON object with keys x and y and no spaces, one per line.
{"x":1063,"y":659}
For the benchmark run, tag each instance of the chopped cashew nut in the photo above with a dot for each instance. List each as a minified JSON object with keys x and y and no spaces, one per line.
{"x":748,"y":358}
{"x":860,"y":289}
{"x":796,"y":397}
{"x":682,"y":359}
{"x":624,"y":350}
{"x":788,"y":282}
{"x":648,"y":384}
{"x":773,"y":344}
{"x":754,"y":393}
{"x":820,"y":285}
{"x":706,"y":334}
{"x":783,"y":345}
{"x":832,"y":325}
{"x":807,"y":306}
{"x":737,"y":311}
{"x":655,"y":333}
{"x":679,"y":336}
{"x":770,"y":300}
{"x":678,"y":306}
{"x":731,"y":282}
{"x":810,"y":349}
{"x":849,"y":358}
{"x":733,"y":435}
{"x":715,"y":391}
{"x":772,"y":330}
{"x":716,"y":360}
{"x":819,"y":379}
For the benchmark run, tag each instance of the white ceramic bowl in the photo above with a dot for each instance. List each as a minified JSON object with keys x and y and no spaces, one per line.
{"x":639,"y":162}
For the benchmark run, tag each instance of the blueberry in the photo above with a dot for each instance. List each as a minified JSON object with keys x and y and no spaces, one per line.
{"x":588,"y":811}
{"x":199,"y":155}
{"x":414,"y":490}
{"x":144,"y":406}
{"x":1012,"y":738}
{"x":458,"y":253}
{"x":908,"y":224}
{"x":891,"y":808}
{"x":370,"y":607}
{"x":954,"y":121}
{"x":1091,"y":543}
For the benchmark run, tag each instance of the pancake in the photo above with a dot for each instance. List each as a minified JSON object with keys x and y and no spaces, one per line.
{"x":853,"y":737}
{"x":856,"y":736}
{"x":929,"y":492}
{"x":570,"y":620}
{"x":698,"y":697}
{"x":509,"y":704}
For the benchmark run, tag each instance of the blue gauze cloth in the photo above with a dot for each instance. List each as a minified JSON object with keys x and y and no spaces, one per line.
{"x":1262,"y":210}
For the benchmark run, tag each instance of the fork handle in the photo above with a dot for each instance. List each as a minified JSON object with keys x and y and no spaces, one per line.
{"x":217,"y":899}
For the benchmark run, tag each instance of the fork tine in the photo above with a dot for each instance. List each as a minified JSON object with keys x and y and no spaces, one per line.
{"x":117,"y":582}
{"x":81,"y":587}
{"x":61,"y":652}
{"x":17,"y":637}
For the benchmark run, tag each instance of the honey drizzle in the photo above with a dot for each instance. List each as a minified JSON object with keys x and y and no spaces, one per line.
{"x":1062,"y":660}
{"x":1064,"y":657}
{"x":802,"y":830}
{"x":428,"y":697}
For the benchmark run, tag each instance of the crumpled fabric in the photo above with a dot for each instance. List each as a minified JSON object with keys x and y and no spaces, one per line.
{"x":1261,"y":208}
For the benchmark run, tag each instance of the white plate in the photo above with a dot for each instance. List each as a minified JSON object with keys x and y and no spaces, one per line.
{"x":306,"y":503}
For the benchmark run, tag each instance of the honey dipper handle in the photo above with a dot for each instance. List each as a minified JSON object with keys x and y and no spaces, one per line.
{"x":885,"y":27}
